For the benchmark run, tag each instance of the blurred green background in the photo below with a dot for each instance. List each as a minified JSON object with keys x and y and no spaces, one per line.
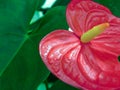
{"x":23,"y":23}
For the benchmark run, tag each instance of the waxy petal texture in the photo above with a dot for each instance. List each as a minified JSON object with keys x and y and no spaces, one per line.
{"x":79,"y":64}
{"x":56,"y":50}
{"x":84,"y":15}
{"x":93,"y":65}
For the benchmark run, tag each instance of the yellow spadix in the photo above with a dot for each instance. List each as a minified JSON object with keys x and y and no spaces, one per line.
{"x":92,"y":33}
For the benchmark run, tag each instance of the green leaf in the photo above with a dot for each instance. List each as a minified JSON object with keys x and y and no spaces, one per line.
{"x":61,"y":3}
{"x":41,"y":2}
{"x":59,"y":85}
{"x":36,"y":17}
{"x":41,"y":87}
{"x":26,"y":70}
{"x":113,"y":5}
{"x":54,"y":19}
{"x":15,"y":16}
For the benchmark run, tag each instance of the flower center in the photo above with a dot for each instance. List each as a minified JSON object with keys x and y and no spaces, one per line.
{"x":92,"y":33}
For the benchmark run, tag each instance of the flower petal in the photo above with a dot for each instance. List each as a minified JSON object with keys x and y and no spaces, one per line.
{"x":99,"y":67}
{"x":109,"y":41}
{"x":77,"y":64}
{"x":110,"y":66}
{"x":54,"y":47}
{"x":106,"y":49}
{"x":83,"y":15}
{"x":62,"y":54}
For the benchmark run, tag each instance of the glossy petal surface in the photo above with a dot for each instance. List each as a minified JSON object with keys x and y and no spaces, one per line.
{"x":56,"y":50}
{"x":84,"y":15}
{"x":93,"y":65}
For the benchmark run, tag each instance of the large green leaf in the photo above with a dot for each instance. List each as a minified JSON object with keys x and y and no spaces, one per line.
{"x":53,"y":20}
{"x":41,"y":2}
{"x":15,"y":16}
{"x":61,"y":2}
{"x":59,"y":85}
{"x":26,"y":69}
{"x":113,"y":5}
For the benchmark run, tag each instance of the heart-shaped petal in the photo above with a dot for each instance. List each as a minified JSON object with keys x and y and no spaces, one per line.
{"x":54,"y":47}
{"x":93,"y":65}
{"x":83,"y":15}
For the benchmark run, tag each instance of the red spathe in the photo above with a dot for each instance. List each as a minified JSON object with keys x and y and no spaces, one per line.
{"x":91,"y":66}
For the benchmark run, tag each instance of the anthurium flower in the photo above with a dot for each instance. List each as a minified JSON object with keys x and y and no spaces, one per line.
{"x":87,"y":56}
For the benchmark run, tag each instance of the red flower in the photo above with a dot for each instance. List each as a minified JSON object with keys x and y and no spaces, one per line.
{"x":87,"y":57}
